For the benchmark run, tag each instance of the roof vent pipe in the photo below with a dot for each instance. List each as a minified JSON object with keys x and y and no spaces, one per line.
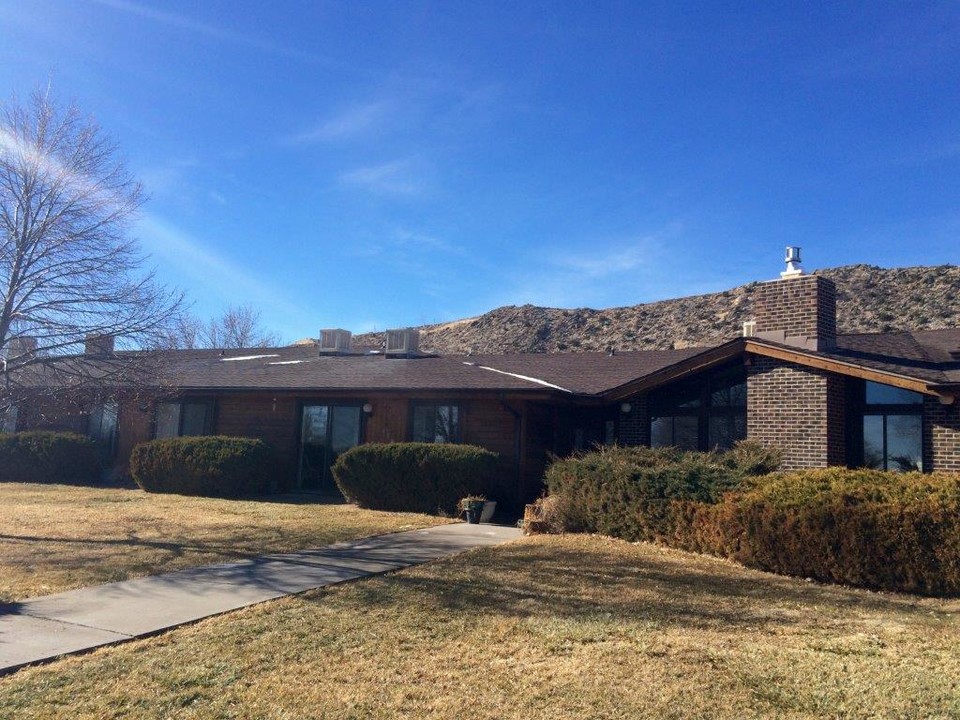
{"x":792,"y":259}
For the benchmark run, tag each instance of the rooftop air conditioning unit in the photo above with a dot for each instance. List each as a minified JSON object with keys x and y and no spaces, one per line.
{"x":334,"y":341}
{"x":750,"y":328}
{"x":402,"y":343}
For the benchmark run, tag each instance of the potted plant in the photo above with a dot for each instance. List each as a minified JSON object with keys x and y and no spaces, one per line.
{"x":472,"y":507}
{"x":489,"y":508}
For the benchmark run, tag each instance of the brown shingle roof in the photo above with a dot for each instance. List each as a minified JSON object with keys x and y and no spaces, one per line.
{"x":930,"y":356}
{"x":925,"y":354}
{"x":588,"y":373}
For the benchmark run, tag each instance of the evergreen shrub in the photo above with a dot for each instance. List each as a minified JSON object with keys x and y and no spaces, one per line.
{"x":415,"y":477}
{"x":211,"y":466}
{"x":881,"y":530}
{"x":48,"y":457}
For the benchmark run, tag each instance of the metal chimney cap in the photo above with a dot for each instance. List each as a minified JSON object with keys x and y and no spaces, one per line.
{"x":792,"y":259}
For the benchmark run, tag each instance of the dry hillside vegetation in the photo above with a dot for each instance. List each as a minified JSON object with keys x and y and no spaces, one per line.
{"x":547,"y":627}
{"x":870,"y":299}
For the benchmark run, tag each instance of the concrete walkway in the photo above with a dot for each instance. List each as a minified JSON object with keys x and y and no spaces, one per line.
{"x":47,"y":627}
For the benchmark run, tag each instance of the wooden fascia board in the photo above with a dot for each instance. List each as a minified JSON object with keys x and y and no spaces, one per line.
{"x":677,"y":371}
{"x":843,"y":368}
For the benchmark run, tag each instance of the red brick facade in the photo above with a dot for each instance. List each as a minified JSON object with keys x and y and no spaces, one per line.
{"x":796,"y":409}
{"x":803,"y":309}
{"x":635,"y":426}
{"x":941,"y":435}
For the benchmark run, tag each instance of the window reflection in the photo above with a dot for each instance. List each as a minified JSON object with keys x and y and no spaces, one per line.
{"x":892,"y":428}
{"x":706,"y":413}
{"x":436,"y":423}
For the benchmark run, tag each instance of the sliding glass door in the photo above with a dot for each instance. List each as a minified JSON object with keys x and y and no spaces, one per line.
{"x":325,"y":432}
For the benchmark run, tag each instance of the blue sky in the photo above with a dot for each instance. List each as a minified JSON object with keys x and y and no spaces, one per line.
{"x":372,"y":164}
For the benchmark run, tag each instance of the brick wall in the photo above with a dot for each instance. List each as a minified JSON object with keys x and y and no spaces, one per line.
{"x":797,"y":409}
{"x":941,"y":433}
{"x":635,"y":426}
{"x":800,"y":307}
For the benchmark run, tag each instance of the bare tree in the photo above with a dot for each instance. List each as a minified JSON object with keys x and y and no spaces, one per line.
{"x":69,"y":270}
{"x":237,"y":327}
{"x":183,"y":332}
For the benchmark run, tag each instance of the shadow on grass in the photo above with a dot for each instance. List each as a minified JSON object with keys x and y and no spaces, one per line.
{"x":533,"y":581}
{"x":177,"y":548}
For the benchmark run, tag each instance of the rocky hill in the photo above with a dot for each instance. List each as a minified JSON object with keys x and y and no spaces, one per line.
{"x":869,"y":299}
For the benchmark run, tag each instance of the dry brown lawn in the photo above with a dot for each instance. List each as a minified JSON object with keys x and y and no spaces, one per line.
{"x":58,"y":537}
{"x":548,"y":627}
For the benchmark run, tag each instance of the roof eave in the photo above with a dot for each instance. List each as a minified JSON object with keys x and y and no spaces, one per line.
{"x":689,"y":366}
{"x":810,"y":358}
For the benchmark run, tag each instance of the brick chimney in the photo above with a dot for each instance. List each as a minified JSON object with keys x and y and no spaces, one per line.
{"x":23,"y":345}
{"x":98,"y":345}
{"x":798,"y":309}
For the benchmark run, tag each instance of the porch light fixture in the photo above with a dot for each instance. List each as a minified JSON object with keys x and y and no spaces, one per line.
{"x":625,"y":408}
{"x":367,"y":408}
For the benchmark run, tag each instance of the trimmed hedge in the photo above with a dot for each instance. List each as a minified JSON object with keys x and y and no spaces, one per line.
{"x":874,"y":529}
{"x":48,"y":457}
{"x":630,"y":492}
{"x":868,"y":528}
{"x":211,"y":466}
{"x":415,"y":477}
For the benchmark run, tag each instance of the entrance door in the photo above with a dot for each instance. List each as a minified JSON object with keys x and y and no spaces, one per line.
{"x":326,"y":431}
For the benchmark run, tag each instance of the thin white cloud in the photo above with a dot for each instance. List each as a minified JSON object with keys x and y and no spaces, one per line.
{"x":415,"y":239}
{"x":82,"y":186}
{"x":183,"y":22}
{"x":615,"y":261}
{"x":192,"y":257}
{"x":168,"y":177}
{"x":349,"y":123}
{"x":597,"y":276}
{"x":393,"y":178}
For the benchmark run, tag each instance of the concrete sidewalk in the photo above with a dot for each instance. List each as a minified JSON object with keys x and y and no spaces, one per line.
{"x":47,"y":627}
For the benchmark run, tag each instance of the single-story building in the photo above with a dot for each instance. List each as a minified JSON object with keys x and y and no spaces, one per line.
{"x":786,"y":379}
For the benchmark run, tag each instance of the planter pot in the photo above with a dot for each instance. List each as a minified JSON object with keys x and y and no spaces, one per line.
{"x":473,"y":510}
{"x":489,"y":507}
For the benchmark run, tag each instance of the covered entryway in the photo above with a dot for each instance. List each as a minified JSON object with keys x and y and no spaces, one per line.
{"x":325,"y":432}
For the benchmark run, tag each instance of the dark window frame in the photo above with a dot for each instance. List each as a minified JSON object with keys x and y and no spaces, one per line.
{"x":411,"y":419}
{"x":698,"y":392}
{"x":108,"y":445}
{"x":859,"y":409}
{"x":211,"y":416}
{"x":330,"y":404}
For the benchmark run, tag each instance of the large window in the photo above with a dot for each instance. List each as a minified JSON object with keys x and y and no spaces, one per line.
{"x":102,"y":427}
{"x":892,"y":428}
{"x":184,"y":418}
{"x":701,"y":414}
{"x":436,"y":423}
{"x":8,"y":418}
